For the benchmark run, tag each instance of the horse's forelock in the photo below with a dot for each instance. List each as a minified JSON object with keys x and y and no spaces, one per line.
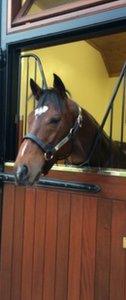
{"x":51,"y":96}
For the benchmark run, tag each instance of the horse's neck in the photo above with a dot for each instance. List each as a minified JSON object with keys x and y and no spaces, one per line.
{"x":84,"y":139}
{"x":106,"y":153}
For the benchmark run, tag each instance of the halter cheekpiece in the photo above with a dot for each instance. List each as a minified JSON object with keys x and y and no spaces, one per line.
{"x":50,"y":150}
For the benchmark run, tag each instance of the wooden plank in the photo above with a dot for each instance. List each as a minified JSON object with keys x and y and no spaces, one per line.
{"x":1,"y":211}
{"x":17,"y":243}
{"x":61,"y":281}
{"x":112,"y":187}
{"x":25,"y":8}
{"x":50,"y":246}
{"x":88,"y":248}
{"x":15,"y":7}
{"x":118,"y":254}
{"x":74,"y":273}
{"x":28,"y":242}
{"x":57,"y":15}
{"x":7,"y":242}
{"x":113,"y":60}
{"x":102,"y":274}
{"x":39,"y":244}
{"x":65,"y":7}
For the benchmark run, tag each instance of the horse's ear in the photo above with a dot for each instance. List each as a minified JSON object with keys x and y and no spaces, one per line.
{"x":58,"y":85}
{"x":36,"y":90}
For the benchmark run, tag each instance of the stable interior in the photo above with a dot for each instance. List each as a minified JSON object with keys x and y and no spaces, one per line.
{"x":89,"y":70}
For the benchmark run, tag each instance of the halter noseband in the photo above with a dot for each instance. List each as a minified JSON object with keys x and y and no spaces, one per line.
{"x":50,"y":150}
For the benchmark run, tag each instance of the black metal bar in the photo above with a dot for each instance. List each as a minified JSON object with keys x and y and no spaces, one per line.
{"x":3,"y":80}
{"x":110,"y":133}
{"x":54,"y":183}
{"x":113,"y":96}
{"x":35,"y":78}
{"x":123,"y":109}
{"x":26,"y":103}
{"x":1,"y":213}
{"x":85,"y":187}
{"x":111,"y":122}
{"x":19,"y":87}
{"x":12,"y":103}
{"x":44,"y":82}
{"x":98,"y":134}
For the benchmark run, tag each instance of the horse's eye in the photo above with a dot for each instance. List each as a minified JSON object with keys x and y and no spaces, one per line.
{"x":54,"y":120}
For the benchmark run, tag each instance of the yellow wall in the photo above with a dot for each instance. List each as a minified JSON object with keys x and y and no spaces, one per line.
{"x":34,"y":8}
{"x":117,"y":109}
{"x":84,"y":74}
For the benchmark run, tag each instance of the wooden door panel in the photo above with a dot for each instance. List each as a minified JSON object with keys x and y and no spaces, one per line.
{"x":63,"y":239}
{"x":88,"y":248}
{"x":28,"y":245}
{"x":74,"y":272}
{"x":50,"y":246}
{"x":39,"y":244}
{"x":103,"y":246}
{"x":18,"y":236}
{"x":61,"y":244}
{"x":118,"y":254}
{"x":7,"y":242}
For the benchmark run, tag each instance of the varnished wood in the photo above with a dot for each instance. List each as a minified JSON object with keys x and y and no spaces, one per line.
{"x":88,"y":248}
{"x":15,"y":7}
{"x":39,"y":244}
{"x":63,"y":239}
{"x":68,"y":7}
{"x":35,"y":20}
{"x":59,"y":244}
{"x":111,"y":186}
{"x":1,"y":210}
{"x":18,"y":231}
{"x":118,"y":254}
{"x":28,"y":245}
{"x":25,"y":8}
{"x":50,"y":247}
{"x":7,"y":242}
{"x":112,"y":50}
{"x":74,"y":274}
{"x":103,"y":244}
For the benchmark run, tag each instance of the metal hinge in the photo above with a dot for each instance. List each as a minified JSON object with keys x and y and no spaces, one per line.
{"x":2,"y":59}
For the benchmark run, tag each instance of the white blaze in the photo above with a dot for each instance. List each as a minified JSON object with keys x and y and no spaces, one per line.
{"x":24,"y":148}
{"x":41,"y":110}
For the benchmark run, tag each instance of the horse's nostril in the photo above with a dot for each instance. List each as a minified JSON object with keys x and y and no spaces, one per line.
{"x":21,"y":173}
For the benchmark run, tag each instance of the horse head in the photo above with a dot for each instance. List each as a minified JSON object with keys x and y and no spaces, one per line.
{"x":50,"y":129}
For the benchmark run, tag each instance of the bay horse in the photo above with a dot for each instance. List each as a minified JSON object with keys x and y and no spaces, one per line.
{"x":60,"y":129}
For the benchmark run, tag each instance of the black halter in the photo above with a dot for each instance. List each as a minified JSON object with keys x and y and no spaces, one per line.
{"x":50,"y":150}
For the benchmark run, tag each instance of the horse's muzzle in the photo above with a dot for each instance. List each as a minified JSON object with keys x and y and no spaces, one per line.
{"x":21,"y":174}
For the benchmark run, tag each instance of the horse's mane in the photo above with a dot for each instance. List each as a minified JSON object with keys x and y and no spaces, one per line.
{"x":97,"y":124}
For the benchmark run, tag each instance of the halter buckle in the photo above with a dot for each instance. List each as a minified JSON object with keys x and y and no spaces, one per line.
{"x":80,"y":119}
{"x":48,"y":155}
